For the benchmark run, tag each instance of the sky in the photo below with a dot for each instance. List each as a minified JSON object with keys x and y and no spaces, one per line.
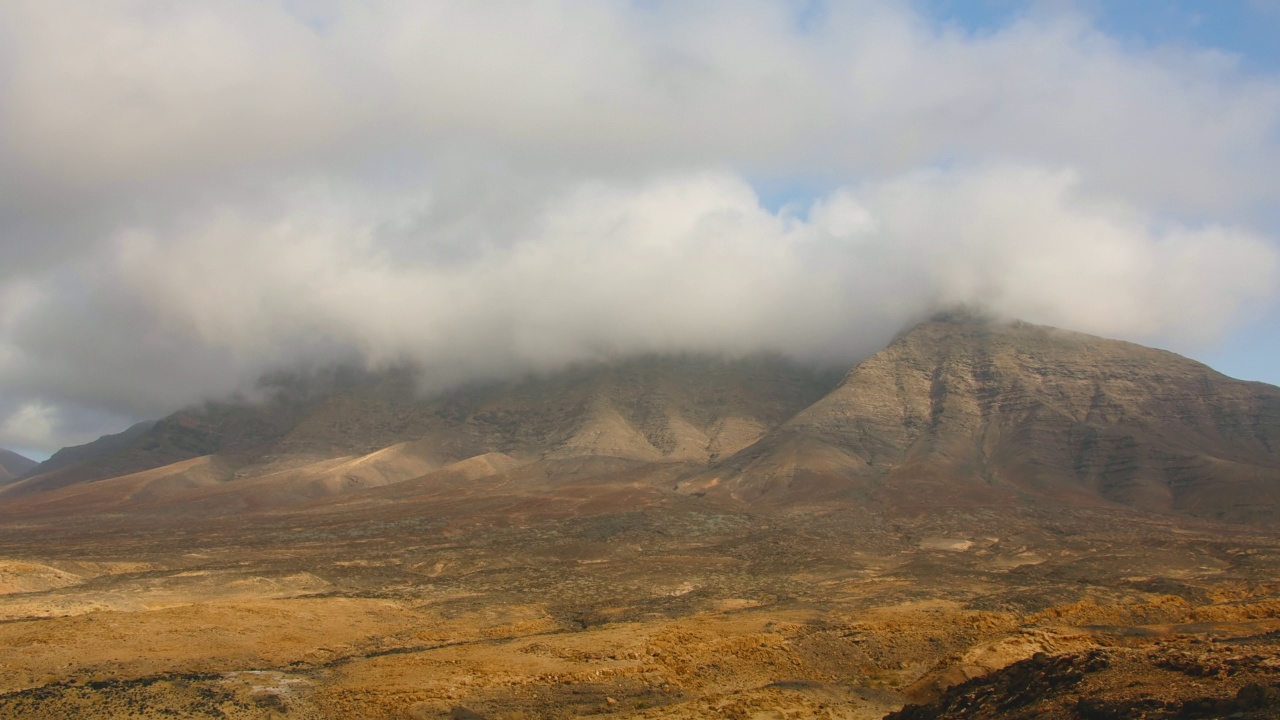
{"x":192,"y":194}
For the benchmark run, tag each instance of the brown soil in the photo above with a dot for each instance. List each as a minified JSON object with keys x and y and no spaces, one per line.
{"x":643,"y":604}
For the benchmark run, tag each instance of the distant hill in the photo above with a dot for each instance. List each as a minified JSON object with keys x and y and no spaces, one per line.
{"x":13,"y":465}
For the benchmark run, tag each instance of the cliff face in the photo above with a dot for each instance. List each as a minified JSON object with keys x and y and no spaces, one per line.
{"x":976,"y":413}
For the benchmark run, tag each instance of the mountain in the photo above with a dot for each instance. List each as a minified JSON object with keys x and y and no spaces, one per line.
{"x":360,"y":429}
{"x":955,"y":412}
{"x":103,"y":447}
{"x":13,"y":465}
{"x":966,"y":412}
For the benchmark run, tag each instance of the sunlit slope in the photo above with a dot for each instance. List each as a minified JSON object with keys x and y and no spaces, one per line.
{"x":986,"y":413}
{"x":326,"y":433}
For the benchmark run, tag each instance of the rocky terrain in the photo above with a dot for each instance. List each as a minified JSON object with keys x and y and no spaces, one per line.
{"x":984,"y":520}
{"x":648,"y":408}
{"x":976,"y":413}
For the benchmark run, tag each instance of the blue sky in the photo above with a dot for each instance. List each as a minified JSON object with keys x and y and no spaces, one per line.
{"x":1248,"y":30}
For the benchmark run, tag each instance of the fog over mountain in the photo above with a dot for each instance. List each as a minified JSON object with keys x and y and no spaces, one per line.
{"x":191,"y":195}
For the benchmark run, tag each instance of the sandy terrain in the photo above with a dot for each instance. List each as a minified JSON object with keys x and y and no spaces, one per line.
{"x":675,"y":608}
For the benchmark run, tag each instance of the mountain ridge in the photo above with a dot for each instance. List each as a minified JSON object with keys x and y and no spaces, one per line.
{"x":1004,"y":411}
{"x":958,"y":411}
{"x":654,"y":408}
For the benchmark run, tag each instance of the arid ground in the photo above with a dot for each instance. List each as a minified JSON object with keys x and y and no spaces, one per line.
{"x":637,"y":604}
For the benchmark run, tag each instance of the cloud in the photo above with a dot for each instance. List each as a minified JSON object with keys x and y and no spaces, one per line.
{"x":190,"y":195}
{"x":688,"y":262}
{"x":128,"y":92}
{"x":31,"y":425}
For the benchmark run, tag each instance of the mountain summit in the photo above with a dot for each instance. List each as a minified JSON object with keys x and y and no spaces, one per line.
{"x":963,"y":411}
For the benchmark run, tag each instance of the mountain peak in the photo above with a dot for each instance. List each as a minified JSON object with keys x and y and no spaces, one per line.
{"x":964,"y":315}
{"x":965,"y":411}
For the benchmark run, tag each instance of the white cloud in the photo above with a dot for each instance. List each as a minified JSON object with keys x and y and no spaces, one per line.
{"x":137,"y":90}
{"x":682,"y":262}
{"x":190,"y":194}
{"x":33,"y":425}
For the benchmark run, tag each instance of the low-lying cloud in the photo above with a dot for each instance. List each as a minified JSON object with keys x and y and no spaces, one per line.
{"x":191,"y":195}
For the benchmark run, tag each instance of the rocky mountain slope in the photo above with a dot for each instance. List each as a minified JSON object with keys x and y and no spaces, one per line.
{"x":966,"y":412}
{"x":956,"y":412}
{"x":359,"y":429}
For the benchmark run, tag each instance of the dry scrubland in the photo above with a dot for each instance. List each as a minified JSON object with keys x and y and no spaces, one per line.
{"x":675,"y":609}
